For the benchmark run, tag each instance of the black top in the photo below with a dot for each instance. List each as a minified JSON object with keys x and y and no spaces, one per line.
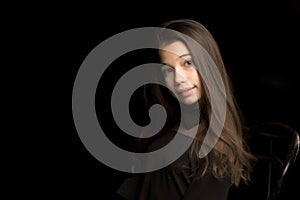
{"x":174,"y":181}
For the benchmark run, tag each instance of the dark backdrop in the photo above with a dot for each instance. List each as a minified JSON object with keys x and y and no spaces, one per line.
{"x":259,"y":42}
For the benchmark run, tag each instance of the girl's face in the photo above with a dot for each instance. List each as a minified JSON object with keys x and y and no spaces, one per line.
{"x":180,"y":74}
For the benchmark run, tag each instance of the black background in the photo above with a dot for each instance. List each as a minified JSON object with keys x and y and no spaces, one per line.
{"x":259,"y":42}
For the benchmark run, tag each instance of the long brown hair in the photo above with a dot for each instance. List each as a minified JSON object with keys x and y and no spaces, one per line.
{"x":230,"y":155}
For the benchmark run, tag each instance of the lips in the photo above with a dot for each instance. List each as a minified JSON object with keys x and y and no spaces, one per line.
{"x":186,"y":91}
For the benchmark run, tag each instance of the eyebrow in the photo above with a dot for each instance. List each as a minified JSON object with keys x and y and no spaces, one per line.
{"x":186,"y":54}
{"x":183,"y":55}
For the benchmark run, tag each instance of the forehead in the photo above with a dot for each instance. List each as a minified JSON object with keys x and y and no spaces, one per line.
{"x":177,"y":48}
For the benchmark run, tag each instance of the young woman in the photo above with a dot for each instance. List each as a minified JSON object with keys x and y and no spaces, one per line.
{"x":187,"y":72}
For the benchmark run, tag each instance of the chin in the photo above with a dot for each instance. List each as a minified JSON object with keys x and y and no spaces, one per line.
{"x":189,"y":101}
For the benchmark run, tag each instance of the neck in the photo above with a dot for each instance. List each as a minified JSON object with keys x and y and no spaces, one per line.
{"x":190,"y":115}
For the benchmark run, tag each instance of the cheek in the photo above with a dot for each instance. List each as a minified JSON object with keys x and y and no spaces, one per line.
{"x":194,"y":76}
{"x":169,"y":81}
{"x":196,"y":79}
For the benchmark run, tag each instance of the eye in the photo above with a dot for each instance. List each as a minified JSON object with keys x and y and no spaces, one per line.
{"x":167,"y":70}
{"x":188,"y":63}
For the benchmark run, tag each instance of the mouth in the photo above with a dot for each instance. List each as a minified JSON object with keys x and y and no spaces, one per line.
{"x":186,"y":92}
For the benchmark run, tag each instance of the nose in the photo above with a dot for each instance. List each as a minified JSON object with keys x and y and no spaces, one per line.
{"x":179,"y":76}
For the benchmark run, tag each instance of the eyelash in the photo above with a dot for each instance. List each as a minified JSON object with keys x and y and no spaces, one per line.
{"x":188,"y":62}
{"x":168,"y":70}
